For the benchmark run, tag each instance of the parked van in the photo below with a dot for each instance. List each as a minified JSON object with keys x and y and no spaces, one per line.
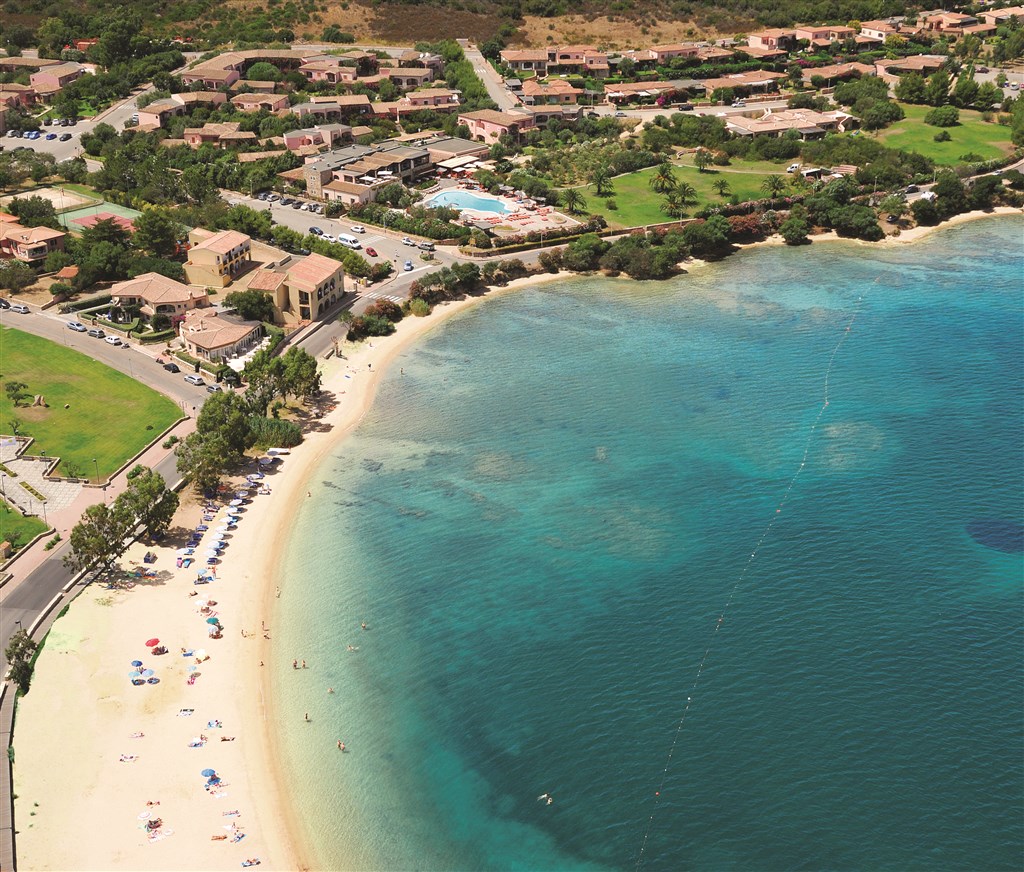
{"x":349,"y":241}
{"x":426,"y":246}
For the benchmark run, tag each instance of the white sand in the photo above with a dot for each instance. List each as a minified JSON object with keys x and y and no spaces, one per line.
{"x":77,"y":805}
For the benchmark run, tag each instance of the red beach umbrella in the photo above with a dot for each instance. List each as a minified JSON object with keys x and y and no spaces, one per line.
{"x":152,"y":642}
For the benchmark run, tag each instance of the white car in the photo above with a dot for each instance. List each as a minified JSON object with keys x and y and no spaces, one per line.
{"x":407,"y":241}
{"x":112,"y":340}
{"x":20,"y":308}
{"x":77,"y":326}
{"x":329,"y":237}
{"x":196,"y":380}
{"x":357,"y":228}
{"x":408,"y":266}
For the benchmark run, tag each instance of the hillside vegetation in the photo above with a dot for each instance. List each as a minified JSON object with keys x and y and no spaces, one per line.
{"x":214,"y":22}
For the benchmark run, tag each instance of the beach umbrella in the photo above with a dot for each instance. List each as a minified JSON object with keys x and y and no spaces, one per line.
{"x":144,"y":816}
{"x":208,"y":773}
{"x":152,"y":643}
{"x":199,"y":653}
{"x":210,"y":561}
{"x":134,"y":675}
{"x":193,"y":668}
{"x":212,"y":621}
{"x":183,"y":552}
{"x":218,"y":536}
{"x":136,"y":663}
{"x":147,"y":673}
{"x":235,"y":503}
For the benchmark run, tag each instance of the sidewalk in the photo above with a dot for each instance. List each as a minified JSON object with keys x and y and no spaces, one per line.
{"x":64,"y":519}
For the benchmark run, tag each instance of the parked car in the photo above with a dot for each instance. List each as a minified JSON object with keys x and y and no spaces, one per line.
{"x":357,"y":228}
{"x":64,"y":137}
{"x":426,"y":246}
{"x":14,"y":134}
{"x":113,"y":340}
{"x":196,"y":380}
{"x":77,"y":326}
{"x":911,"y":189}
{"x":372,"y":252}
{"x":620,"y":114}
{"x":273,"y":197}
{"x":172,"y":367}
{"x":408,"y":266}
{"x":407,"y":241}
{"x":793,"y":167}
{"x":4,"y":304}
{"x":20,"y":308}
{"x":593,"y":115}
{"x":296,"y":204}
{"x":262,"y":195}
{"x":686,"y":107}
{"x":329,"y":237}
{"x":213,"y":389}
{"x":316,"y":231}
{"x":982,"y":69}
{"x":51,"y":136}
{"x":96,"y":333}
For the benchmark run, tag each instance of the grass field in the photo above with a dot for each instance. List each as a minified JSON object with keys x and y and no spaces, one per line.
{"x":639,"y":205}
{"x":988,"y":139}
{"x":111,"y":416}
{"x":15,"y":528}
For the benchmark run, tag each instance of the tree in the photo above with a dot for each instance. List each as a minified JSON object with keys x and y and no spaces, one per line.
{"x":157,"y":232}
{"x":302,"y":375}
{"x":252,"y":305}
{"x":106,"y":230}
{"x":601,"y":180}
{"x":264,"y":72}
{"x":15,"y":391}
{"x":19,"y":653}
{"x":225,"y":415}
{"x":936,"y":92}
{"x":573,"y":201}
{"x":15,"y":276}
{"x":911,"y":88}
{"x":663,"y":179}
{"x":892,"y":204}
{"x":98,"y":538}
{"x":965,"y":91}
{"x":201,"y":459}
{"x":148,"y":501}
{"x":924,"y":212}
{"x":686,"y":193}
{"x":34,"y":211}
{"x":794,"y":230}
{"x":988,"y":97}
{"x":951,"y":199}
{"x":673,"y":206}
{"x":773,"y":186}
{"x":702,"y":159}
{"x":722,"y":187}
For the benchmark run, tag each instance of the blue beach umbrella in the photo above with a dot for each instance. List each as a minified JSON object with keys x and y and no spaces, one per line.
{"x":212,"y":621}
{"x":208,"y":773}
{"x":134,"y":675}
{"x":147,"y":673}
{"x":136,"y":663}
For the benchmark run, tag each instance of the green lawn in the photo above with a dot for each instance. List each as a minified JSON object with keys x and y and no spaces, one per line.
{"x":639,"y":205}
{"x":15,"y":528}
{"x":988,"y":139}
{"x":111,"y":416}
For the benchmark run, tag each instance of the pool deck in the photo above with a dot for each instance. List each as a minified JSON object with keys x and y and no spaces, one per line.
{"x":523,"y":219}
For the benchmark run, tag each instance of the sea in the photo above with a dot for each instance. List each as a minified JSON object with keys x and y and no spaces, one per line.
{"x":729,"y":567}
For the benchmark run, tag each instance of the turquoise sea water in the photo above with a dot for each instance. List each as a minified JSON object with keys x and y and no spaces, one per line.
{"x":542,"y":520}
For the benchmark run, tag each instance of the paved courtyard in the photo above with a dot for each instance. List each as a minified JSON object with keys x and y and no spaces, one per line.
{"x":29,"y":470}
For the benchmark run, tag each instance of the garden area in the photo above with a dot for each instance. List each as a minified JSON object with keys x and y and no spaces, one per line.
{"x":637,"y":204}
{"x":985,"y":139}
{"x":16,"y":528}
{"x":109,"y":416}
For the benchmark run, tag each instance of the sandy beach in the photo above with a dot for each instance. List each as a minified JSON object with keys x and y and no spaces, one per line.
{"x":79,"y":804}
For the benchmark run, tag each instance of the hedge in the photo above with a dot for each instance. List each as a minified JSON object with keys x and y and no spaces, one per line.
{"x":274,"y":431}
{"x":158,"y":336}
{"x":94,"y":303}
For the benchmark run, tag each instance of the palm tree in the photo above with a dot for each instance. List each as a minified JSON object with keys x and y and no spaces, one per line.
{"x":601,"y":180}
{"x":664,"y":179}
{"x":573,"y":201}
{"x":772,"y":186}
{"x":721,"y":187}
{"x":673,"y":206}
{"x":686,"y":193}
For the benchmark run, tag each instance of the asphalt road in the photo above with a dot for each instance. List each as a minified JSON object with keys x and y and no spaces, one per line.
{"x":489,"y":76}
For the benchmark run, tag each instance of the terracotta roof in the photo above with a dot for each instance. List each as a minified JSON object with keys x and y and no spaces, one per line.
{"x":312,"y":270}
{"x":16,"y":233}
{"x":223,"y":242}
{"x":266,"y":280}
{"x":155,"y":288}
{"x":210,"y":330}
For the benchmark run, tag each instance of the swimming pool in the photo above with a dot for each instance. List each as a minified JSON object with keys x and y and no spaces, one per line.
{"x":469,"y":200}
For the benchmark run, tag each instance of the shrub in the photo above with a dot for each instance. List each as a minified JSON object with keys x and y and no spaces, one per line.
{"x":274,"y":431}
{"x":419,"y":308}
{"x":384,"y":309}
{"x":943,"y":116}
{"x":362,"y":326}
{"x":942,"y":136}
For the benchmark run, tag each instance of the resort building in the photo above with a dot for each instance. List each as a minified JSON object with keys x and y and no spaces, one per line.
{"x":215,"y":259}
{"x":649,"y":92}
{"x":13,"y":94}
{"x":155,"y":294}
{"x":878,"y":30}
{"x":1003,"y":16}
{"x":837,"y":72}
{"x":755,"y":80}
{"x":222,"y":134}
{"x":156,"y":113}
{"x":526,"y":60}
{"x":256,"y":102}
{"x":662,"y":54}
{"x":28,"y":244}
{"x":350,"y":174}
{"x":210,"y":335}
{"x":333,"y":108}
{"x":330,"y":70}
{"x":409,"y":77}
{"x":825,"y":35}
{"x":49,"y":80}
{"x":550,"y":91}
{"x":326,"y":135}
{"x":560,"y":60}
{"x":782,"y":40}
{"x":489,"y":125}
{"x":314,"y":284}
{"x":778,"y":122}
{"x":226,"y":69}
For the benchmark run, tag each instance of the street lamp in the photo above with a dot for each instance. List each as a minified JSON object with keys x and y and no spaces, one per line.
{"x":96,"y":466}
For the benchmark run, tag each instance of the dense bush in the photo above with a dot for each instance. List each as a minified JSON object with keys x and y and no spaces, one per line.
{"x":943,"y":116}
{"x":268,"y":432}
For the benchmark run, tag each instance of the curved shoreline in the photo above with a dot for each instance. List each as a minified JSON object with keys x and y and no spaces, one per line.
{"x":261,"y":790}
